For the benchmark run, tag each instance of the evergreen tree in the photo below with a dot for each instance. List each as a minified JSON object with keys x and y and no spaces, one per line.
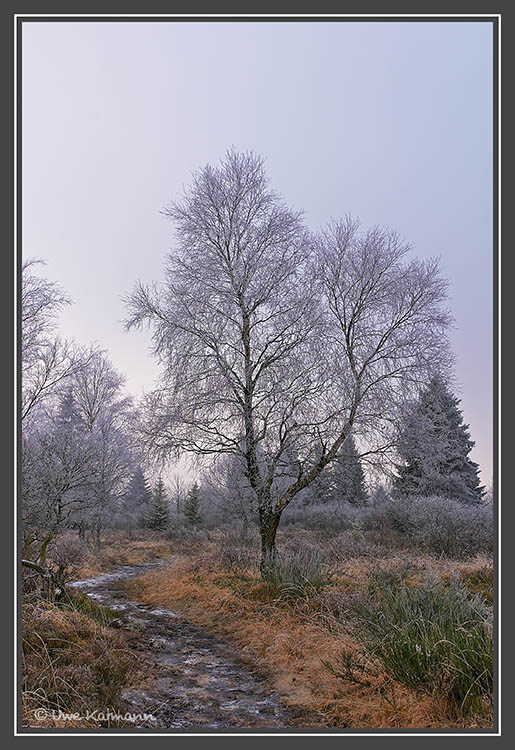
{"x":348,"y":476}
{"x":137,"y":499}
{"x":191,"y":506}
{"x":158,"y":514}
{"x":321,"y":490}
{"x":67,"y":420}
{"x":379,"y":496}
{"x":434,"y":444}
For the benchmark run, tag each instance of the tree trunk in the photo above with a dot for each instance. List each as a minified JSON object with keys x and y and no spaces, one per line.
{"x":268,"y":530}
{"x":26,"y":547}
{"x":44,"y":548}
{"x":244,"y":528}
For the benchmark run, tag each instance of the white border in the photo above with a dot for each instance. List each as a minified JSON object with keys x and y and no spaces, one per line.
{"x":15,"y":345}
{"x":249,"y":16}
{"x":499,"y":418}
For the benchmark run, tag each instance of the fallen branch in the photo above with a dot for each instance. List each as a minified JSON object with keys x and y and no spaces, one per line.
{"x":58,"y":587}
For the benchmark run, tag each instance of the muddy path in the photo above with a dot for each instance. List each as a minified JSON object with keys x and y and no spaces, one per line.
{"x":197,"y":679}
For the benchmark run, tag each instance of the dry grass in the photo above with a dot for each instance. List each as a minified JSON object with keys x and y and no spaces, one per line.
{"x":71,"y":662}
{"x":290,"y":641}
{"x":118,"y":550}
{"x":73,"y":659}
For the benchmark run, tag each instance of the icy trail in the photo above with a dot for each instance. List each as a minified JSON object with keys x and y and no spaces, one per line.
{"x":198,"y":680}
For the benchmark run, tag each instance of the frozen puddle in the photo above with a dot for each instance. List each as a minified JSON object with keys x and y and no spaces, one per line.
{"x":196,"y":679}
{"x":167,"y":612}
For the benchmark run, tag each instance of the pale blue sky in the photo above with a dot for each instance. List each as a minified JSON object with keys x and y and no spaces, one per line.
{"x":391,"y":122}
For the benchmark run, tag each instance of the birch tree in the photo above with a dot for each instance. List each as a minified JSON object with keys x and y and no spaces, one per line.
{"x":58,"y":466}
{"x":106,"y":415}
{"x":290,"y":340}
{"x":76,"y":458}
{"x":47,"y":360}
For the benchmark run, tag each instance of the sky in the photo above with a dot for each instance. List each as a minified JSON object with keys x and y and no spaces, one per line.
{"x":388,"y":121}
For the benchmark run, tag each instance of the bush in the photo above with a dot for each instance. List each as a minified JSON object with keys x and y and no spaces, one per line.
{"x":238,"y":559}
{"x":298,"y":573}
{"x":434,"y":637}
{"x":330,"y":516}
{"x":437,"y":525}
{"x":66,"y":557}
{"x":440,"y":525}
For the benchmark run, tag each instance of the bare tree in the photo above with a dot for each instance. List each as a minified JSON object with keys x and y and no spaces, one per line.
{"x":58,"y":466}
{"x":41,"y":300}
{"x":106,"y":415}
{"x":229,"y":495}
{"x":179,"y":491}
{"x":97,"y":388}
{"x":46,"y":360}
{"x":288,"y":340}
{"x":113,"y":467}
{"x":76,"y":458}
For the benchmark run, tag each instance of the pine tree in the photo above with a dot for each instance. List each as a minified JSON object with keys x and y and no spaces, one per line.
{"x":137,"y":499}
{"x":321,"y":490}
{"x":379,"y":496}
{"x":348,"y":476}
{"x":434,"y":444}
{"x":191,"y":506}
{"x":67,"y":419}
{"x":158,"y":515}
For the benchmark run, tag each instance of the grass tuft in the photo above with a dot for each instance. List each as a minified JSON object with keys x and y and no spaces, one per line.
{"x":298,"y":574}
{"x":434,"y":637}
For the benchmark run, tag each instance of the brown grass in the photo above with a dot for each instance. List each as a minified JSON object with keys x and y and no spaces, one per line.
{"x":290,"y":641}
{"x":71,"y":662}
{"x":119,"y":550}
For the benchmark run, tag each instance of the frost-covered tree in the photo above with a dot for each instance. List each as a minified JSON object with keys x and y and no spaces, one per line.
{"x":434,"y":447}
{"x":135,"y":501}
{"x":229,"y":495}
{"x":58,"y":469}
{"x":291,"y":340}
{"x":379,"y":496}
{"x":192,"y":506}
{"x":76,"y":457}
{"x":47,"y":360}
{"x":106,"y":414}
{"x":158,"y":514}
{"x":98,"y":389}
{"x":348,"y":477}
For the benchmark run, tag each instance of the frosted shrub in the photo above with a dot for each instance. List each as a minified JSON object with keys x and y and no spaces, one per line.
{"x":443,"y":526}
{"x":66,"y":557}
{"x":331,"y":516}
{"x":437,"y":525}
